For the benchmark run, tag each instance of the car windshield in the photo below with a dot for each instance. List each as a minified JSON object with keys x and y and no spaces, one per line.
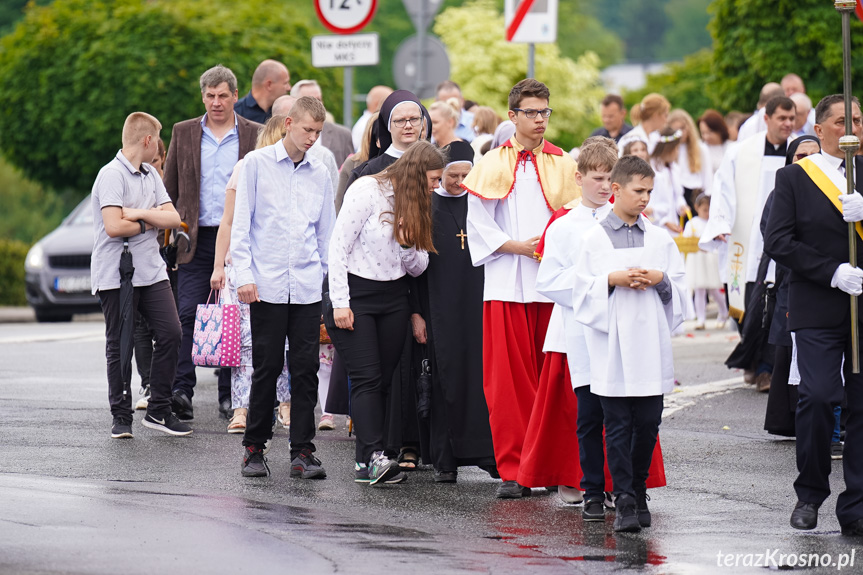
{"x":82,"y":215}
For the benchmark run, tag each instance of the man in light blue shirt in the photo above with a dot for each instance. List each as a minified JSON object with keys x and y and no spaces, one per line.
{"x":201,"y":157}
{"x":283,"y":219}
{"x":449,"y":89}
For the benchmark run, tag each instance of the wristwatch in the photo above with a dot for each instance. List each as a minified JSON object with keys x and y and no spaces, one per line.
{"x":143,"y":226}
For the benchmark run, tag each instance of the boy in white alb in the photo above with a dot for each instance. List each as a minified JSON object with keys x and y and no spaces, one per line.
{"x":514,"y":190}
{"x":629,"y":294}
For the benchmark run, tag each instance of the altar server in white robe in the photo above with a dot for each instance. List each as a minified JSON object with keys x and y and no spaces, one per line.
{"x":741,"y":186}
{"x":629,"y":294}
{"x":514,"y":190}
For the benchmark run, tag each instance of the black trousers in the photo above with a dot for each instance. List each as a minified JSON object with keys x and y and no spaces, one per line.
{"x":819,"y":357}
{"x":631,"y":428}
{"x":143,"y":349}
{"x":591,"y":454}
{"x":193,"y":288}
{"x":371,"y":352}
{"x":271,"y":324}
{"x":155,"y":303}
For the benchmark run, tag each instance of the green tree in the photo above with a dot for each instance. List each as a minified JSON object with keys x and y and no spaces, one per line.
{"x":71,"y":72}
{"x":487,"y":66}
{"x":644,"y":25}
{"x":687,"y":31}
{"x":758,"y":41}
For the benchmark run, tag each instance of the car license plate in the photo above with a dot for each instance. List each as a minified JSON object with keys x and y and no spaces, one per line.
{"x":72,"y":284}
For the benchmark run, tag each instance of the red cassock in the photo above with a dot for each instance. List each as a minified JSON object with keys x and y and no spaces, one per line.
{"x":513,"y":336}
{"x":550,"y":452}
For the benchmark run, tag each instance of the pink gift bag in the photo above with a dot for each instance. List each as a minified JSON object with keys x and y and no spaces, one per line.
{"x":216,"y":339}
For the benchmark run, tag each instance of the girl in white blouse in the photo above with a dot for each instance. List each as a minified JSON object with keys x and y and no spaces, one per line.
{"x":368,"y":311}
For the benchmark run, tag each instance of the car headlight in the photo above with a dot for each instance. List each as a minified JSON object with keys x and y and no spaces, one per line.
{"x":35,"y":258}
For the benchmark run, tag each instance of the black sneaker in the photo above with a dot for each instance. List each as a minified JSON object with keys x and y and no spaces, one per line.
{"x":626,"y":516}
{"x":361,"y":475}
{"x":167,"y":424}
{"x":307,"y":466}
{"x":594,"y":510}
{"x":181,"y":405}
{"x":445,"y":476}
{"x":836,"y":449}
{"x":641,"y":500}
{"x":254,"y":462}
{"x":511,"y":490}
{"x":122,"y":428}
{"x":382,"y":468}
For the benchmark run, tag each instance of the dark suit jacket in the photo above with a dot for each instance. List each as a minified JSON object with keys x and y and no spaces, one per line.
{"x":338,"y":140}
{"x":807,"y":234}
{"x":183,"y":170}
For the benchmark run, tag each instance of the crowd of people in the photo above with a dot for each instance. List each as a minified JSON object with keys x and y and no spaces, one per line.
{"x":470,"y":294}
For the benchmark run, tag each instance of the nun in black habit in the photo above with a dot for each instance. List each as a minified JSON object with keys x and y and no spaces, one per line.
{"x":459,"y":432}
{"x":384,"y":150}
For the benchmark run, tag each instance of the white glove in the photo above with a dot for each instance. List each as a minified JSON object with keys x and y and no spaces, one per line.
{"x":848,"y":279}
{"x":852,"y":207}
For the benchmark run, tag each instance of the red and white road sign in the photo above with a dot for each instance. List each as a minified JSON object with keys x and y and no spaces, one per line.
{"x":345,"y":16}
{"x":531,"y":21}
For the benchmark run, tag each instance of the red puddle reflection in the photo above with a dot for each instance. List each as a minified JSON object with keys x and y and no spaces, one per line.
{"x":532,"y":519}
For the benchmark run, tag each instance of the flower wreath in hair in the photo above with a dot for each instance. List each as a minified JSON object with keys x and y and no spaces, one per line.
{"x":672,"y":138}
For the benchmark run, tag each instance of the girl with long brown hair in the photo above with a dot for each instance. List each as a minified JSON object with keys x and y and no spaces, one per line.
{"x":693,"y":160}
{"x":382,"y":234}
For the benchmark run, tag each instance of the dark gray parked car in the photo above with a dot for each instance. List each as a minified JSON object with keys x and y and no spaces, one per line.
{"x":58,"y":269}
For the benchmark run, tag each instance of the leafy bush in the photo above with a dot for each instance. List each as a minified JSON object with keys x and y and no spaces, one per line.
{"x":12,"y":287}
{"x":759,"y":41}
{"x":487,"y":66}
{"x":29,"y":210}
{"x":70,"y":72}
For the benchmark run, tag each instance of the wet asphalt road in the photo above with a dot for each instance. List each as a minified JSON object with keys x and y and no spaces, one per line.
{"x":72,"y":500}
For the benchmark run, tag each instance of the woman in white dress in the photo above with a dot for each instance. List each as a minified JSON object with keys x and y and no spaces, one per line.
{"x":693,"y":160}
{"x":714,"y":133}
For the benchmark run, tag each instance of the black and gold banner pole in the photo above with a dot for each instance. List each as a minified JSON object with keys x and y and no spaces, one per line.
{"x":849,"y":143}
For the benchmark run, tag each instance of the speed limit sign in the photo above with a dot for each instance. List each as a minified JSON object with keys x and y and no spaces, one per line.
{"x":345,"y":16}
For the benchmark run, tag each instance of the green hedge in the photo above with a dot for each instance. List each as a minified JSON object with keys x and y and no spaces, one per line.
{"x":12,"y":288}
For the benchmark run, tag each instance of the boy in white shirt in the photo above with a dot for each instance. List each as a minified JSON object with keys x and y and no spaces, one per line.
{"x":629,"y":294}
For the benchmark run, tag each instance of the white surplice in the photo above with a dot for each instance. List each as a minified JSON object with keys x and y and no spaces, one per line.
{"x":742,"y":184}
{"x":555,"y":280}
{"x":628,"y":331}
{"x":491,"y":223}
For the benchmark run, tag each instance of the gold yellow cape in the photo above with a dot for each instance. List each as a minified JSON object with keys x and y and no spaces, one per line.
{"x":494,"y":177}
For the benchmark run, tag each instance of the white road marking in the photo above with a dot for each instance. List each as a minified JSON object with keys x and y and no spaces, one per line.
{"x":93,"y":335}
{"x":686,"y":395}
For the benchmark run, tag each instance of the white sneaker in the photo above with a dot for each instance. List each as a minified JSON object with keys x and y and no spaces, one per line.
{"x":326,"y":423}
{"x":145,"y":398}
{"x":570,"y":495}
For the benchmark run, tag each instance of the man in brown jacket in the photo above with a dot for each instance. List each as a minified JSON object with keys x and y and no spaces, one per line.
{"x":201,"y":157}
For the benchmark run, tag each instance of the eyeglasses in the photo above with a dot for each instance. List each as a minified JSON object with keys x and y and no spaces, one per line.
{"x":800,"y":156}
{"x":400,"y":123}
{"x":531,"y":113}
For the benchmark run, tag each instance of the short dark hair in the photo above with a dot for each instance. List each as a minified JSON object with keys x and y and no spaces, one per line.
{"x":716,"y":123}
{"x":612,"y":99}
{"x":528,"y":88}
{"x":822,"y":110}
{"x":780,"y":102}
{"x":628,"y":167}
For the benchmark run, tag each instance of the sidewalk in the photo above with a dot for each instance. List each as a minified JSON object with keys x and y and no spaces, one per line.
{"x":10,"y":314}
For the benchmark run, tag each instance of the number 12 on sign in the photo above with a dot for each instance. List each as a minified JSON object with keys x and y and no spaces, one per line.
{"x":345,"y":16}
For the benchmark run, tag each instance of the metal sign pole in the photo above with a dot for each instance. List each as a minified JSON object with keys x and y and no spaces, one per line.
{"x":348,"y":98}
{"x":531,"y":59}
{"x":849,"y":143}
